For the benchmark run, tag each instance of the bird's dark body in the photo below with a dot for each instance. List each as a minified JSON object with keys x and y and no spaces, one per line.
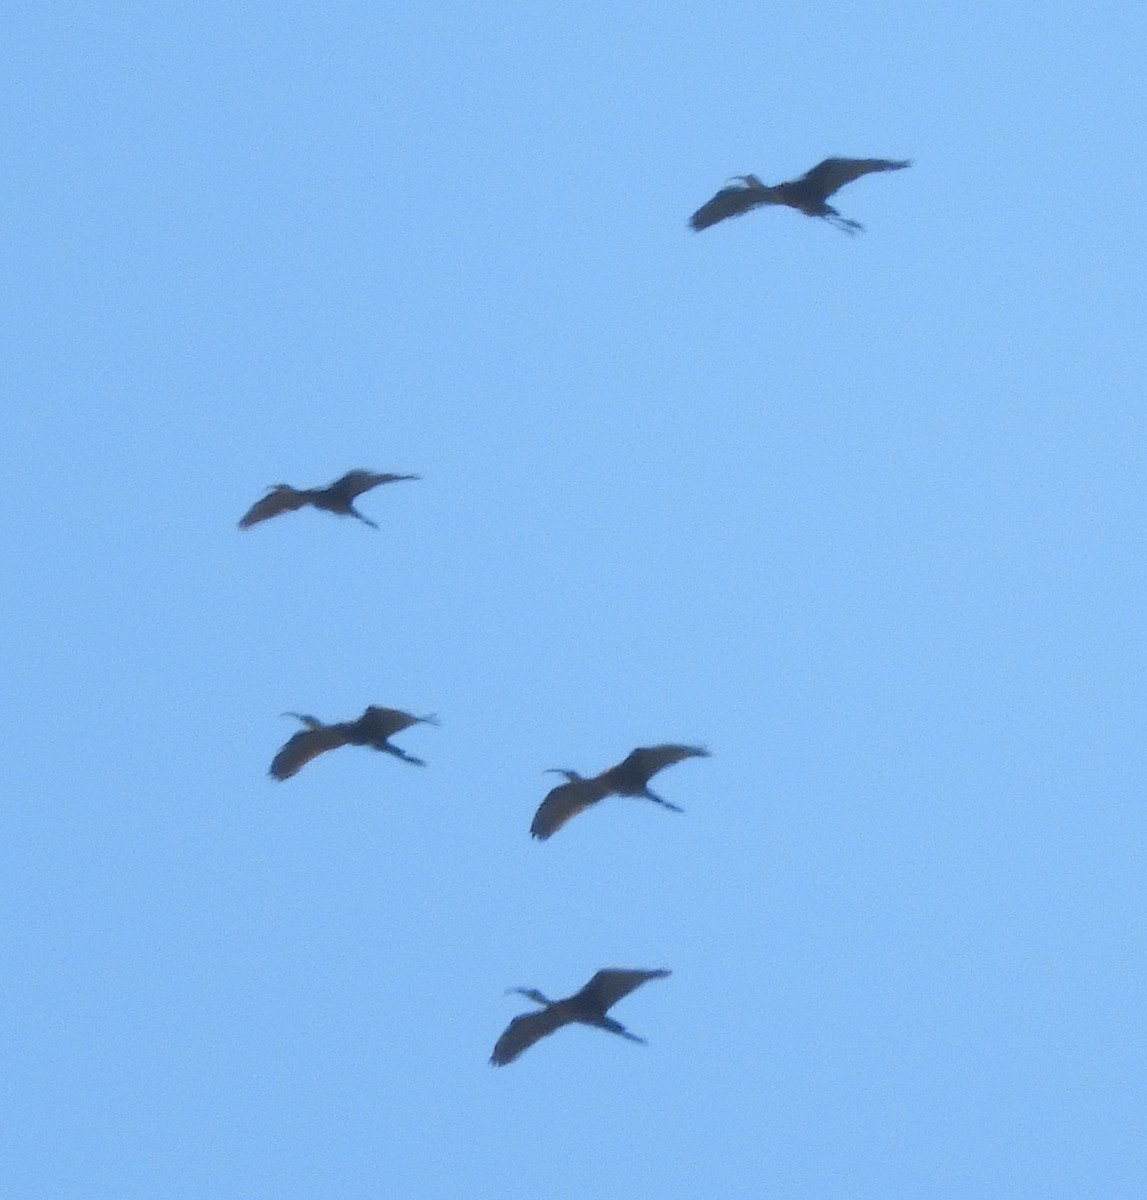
{"x":589,"y":1006}
{"x":631,"y":777}
{"x":374,"y":729}
{"x":803,"y":199}
{"x":808,"y":194}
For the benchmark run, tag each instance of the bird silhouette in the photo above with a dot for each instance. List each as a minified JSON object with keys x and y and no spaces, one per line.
{"x":587,"y":1007}
{"x":337,"y":497}
{"x":808,"y":194}
{"x":373,"y":729}
{"x":629,"y":778}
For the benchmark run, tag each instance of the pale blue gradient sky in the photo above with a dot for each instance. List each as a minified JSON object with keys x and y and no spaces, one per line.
{"x":864,"y":515}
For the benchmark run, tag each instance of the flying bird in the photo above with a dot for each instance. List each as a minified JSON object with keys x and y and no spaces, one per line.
{"x":337,"y":497}
{"x":373,"y":729}
{"x":629,"y":778}
{"x":808,"y":194}
{"x":587,"y":1007}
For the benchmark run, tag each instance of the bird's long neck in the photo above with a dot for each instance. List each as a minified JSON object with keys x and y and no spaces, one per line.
{"x":309,"y":721}
{"x":534,"y":995}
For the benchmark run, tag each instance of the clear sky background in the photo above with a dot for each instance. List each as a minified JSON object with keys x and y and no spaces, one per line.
{"x":865,"y":516}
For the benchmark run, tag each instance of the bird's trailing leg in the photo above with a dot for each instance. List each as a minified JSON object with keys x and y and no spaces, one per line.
{"x":365,"y":520}
{"x":407,"y":758}
{"x":844,"y":224}
{"x":657,"y":800}
{"x":617,"y":1027}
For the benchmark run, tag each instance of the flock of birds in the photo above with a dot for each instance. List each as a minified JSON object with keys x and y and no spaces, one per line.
{"x":630,"y":777}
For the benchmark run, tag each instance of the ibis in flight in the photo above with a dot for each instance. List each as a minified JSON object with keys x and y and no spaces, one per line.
{"x":337,"y":497}
{"x":374,"y":729}
{"x":808,"y":194}
{"x":629,"y":778}
{"x":587,"y":1007}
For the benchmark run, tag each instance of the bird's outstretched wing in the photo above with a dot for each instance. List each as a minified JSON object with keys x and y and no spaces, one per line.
{"x":280,"y":499}
{"x":646,"y":761}
{"x":522,"y":1032}
{"x":305,"y":745}
{"x":381,"y":723}
{"x":562,"y":803}
{"x":730,"y":202}
{"x":354,"y":483}
{"x":832,"y":174}
{"x":610,"y":984}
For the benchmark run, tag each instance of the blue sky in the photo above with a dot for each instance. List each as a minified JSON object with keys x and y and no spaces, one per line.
{"x":862,"y":515}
